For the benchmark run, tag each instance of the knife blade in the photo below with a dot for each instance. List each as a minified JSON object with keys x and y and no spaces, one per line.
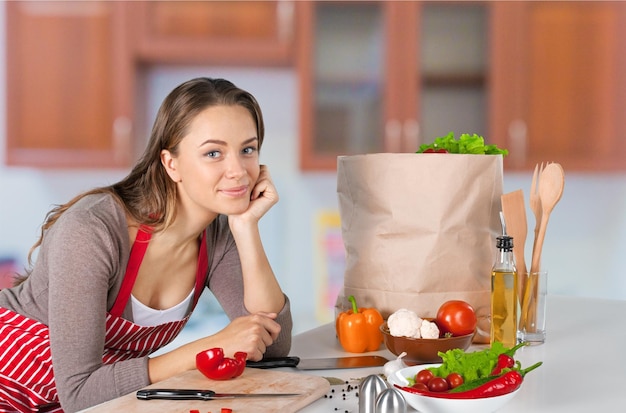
{"x":330,"y":363}
{"x":194,"y":394}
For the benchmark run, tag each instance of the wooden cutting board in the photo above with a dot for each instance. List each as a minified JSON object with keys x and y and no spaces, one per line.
{"x":252,"y":380}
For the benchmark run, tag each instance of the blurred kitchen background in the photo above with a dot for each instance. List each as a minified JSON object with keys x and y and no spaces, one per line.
{"x":82,"y":81}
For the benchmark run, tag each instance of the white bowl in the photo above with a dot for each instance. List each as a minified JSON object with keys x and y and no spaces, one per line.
{"x":426,"y":404}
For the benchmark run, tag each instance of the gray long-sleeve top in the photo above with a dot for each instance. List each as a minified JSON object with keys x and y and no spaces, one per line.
{"x":75,"y":281}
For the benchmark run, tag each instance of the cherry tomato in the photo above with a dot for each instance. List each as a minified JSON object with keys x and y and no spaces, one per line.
{"x":438,"y":384}
{"x":424,"y":376}
{"x":454,"y":380}
{"x":456,"y":317}
{"x":420,"y":386}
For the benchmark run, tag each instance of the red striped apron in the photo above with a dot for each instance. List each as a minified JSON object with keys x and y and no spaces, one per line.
{"x":26,"y":371}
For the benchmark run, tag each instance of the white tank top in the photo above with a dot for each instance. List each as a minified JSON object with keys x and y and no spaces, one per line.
{"x":148,"y":317}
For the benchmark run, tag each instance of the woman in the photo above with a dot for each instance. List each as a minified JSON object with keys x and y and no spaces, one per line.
{"x":120,"y":268}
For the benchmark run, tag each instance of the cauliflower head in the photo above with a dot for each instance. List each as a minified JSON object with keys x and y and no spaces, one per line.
{"x":404,"y":323}
{"x":428,"y":329}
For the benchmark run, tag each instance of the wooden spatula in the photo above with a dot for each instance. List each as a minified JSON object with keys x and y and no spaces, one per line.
{"x":514,"y":210}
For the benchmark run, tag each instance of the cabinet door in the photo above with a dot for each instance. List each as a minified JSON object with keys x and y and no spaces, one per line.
{"x":453,"y":68}
{"x":559,"y":90}
{"x":68,"y":97}
{"x":340,"y":62}
{"x":224,"y":32}
{"x":385,"y":76}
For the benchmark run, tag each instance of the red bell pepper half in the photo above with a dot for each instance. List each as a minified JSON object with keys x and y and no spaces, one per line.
{"x":215,"y":366}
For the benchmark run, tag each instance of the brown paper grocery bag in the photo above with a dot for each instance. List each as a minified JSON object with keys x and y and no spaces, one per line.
{"x":419,"y":229}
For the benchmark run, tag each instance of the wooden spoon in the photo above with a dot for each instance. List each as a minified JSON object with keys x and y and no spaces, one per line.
{"x":551,"y":183}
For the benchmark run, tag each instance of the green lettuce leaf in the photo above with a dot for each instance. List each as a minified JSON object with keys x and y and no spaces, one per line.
{"x":467,"y":144}
{"x":471,"y":366}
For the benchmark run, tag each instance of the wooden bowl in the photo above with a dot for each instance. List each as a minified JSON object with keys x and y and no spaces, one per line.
{"x":423,"y":350}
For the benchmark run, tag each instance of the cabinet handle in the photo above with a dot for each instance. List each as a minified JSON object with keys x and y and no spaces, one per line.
{"x":122,"y":128}
{"x":518,"y":141}
{"x":411,"y":135}
{"x":285,"y":12}
{"x":393,"y":136}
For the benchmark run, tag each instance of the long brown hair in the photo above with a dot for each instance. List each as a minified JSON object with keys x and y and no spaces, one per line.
{"x":148,"y":194}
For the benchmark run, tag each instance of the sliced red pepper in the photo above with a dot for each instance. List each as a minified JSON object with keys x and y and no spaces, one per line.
{"x":241,"y":357}
{"x":215,"y":366}
{"x":209,"y":359}
{"x":226,"y":410}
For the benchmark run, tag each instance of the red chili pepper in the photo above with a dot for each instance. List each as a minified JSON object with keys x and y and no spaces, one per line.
{"x":215,"y":366}
{"x":506,"y":360}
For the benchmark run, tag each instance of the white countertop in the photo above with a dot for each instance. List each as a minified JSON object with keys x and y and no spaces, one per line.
{"x":584,"y":361}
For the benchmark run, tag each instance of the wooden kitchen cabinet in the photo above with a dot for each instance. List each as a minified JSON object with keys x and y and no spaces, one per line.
{"x":372,"y":72}
{"x":69,"y":84}
{"x":223,"y":32}
{"x":544,"y":80}
{"x":72,"y":68}
{"x":558,"y":87}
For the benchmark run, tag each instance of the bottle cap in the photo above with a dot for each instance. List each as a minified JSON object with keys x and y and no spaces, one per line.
{"x":505,"y":243}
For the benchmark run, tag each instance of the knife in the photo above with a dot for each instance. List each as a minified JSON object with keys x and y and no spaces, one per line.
{"x":351,"y":362}
{"x":190,"y":394}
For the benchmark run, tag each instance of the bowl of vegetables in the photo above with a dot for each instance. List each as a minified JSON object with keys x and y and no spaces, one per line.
{"x":480,"y":381}
{"x":422,"y":339}
{"x":430,"y":403}
{"x":423,"y":350}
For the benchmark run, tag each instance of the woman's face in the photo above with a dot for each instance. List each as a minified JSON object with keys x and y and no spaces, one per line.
{"x":217,"y":163}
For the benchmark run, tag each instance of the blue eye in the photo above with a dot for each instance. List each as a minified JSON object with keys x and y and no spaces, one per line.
{"x":249,"y":150}
{"x":213,"y":154}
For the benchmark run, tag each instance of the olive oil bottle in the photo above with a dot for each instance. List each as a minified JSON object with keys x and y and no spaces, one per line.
{"x":504,"y":301}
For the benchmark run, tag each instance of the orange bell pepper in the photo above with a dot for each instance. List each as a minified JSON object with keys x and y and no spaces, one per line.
{"x":358,"y":329}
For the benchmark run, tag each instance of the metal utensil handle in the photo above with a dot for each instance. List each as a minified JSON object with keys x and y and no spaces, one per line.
{"x":274,"y":362}
{"x":175,"y":394}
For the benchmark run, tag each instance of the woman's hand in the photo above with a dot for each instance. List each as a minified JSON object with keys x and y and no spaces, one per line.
{"x":252,"y":334}
{"x":262,"y":198}
{"x":261,"y":292}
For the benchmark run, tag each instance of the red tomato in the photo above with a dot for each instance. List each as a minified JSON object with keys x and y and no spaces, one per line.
{"x":437,"y":384}
{"x":456,"y":317}
{"x":454,"y":380}
{"x":424,"y":376}
{"x":420,"y":386}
